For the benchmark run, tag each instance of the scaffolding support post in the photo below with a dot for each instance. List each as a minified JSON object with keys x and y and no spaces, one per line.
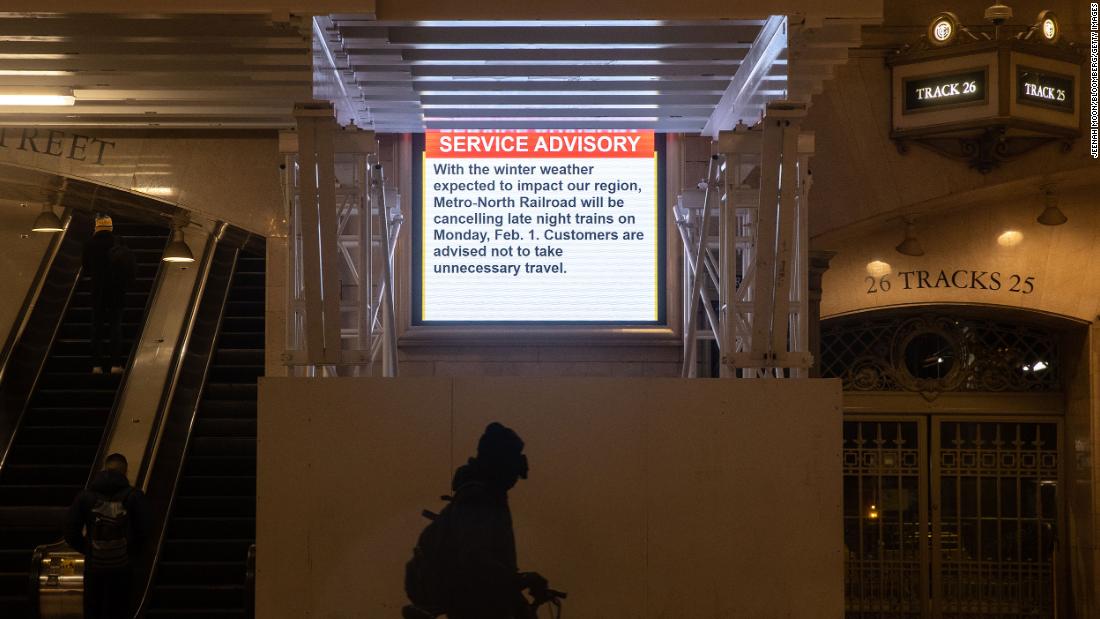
{"x":342,"y":237}
{"x":758,"y":181}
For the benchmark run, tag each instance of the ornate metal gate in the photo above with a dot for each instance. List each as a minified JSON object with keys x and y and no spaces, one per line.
{"x":885,"y":518}
{"x":995,"y":492}
{"x":951,"y":518}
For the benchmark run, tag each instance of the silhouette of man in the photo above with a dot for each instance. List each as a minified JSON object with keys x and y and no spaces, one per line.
{"x":110,"y":265}
{"x":482,"y":580}
{"x":108,"y":523}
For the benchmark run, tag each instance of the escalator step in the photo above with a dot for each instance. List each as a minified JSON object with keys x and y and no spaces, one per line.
{"x":208,"y":549}
{"x":184,"y":598}
{"x":82,"y":380}
{"x":22,"y":474}
{"x":48,"y":454}
{"x":220,"y":506}
{"x":60,"y":435}
{"x":231,"y":391}
{"x":220,"y":466}
{"x":248,"y":279}
{"x":252,"y":324}
{"x":242,"y":339}
{"x":18,"y":605}
{"x":240,"y":408}
{"x":219,"y":485}
{"x":212,"y":528}
{"x":239,"y":356}
{"x":204,"y":571}
{"x":13,"y":583}
{"x":38,"y":494}
{"x":198,"y":613}
{"x":218,"y":446}
{"x":59,"y":398}
{"x":232,"y":426}
{"x":235,"y":374}
{"x":68,"y":416}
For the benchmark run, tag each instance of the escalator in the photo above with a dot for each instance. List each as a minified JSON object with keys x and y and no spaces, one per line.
{"x":59,"y":434}
{"x":200,"y":569}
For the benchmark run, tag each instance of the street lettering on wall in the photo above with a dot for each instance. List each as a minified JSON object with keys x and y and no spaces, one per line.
{"x":56,"y":143}
{"x":971,"y":279}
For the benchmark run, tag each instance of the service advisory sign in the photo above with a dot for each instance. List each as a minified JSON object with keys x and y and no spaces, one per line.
{"x":539,"y":227}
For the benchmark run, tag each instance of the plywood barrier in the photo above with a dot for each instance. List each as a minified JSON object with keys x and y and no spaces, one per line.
{"x":647,"y":498}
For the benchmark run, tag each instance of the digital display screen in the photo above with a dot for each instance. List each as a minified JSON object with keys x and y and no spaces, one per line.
{"x":1044,"y":89}
{"x":539,"y":226}
{"x":925,"y":93}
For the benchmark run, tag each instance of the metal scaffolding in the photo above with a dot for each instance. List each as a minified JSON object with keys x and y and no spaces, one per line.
{"x":342,"y":228}
{"x":746,"y":250}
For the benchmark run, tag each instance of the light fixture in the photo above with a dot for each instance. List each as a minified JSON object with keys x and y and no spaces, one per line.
{"x":1010,"y":238}
{"x":177,"y":250}
{"x":1051,"y":215}
{"x":1049,"y":28}
{"x":943,"y":29}
{"x":878,"y":268}
{"x":47,"y":221}
{"x":909,"y":246}
{"x":37,"y":97}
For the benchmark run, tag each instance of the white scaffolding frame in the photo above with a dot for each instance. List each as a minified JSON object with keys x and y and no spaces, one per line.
{"x":342,"y":235}
{"x":746,"y":251}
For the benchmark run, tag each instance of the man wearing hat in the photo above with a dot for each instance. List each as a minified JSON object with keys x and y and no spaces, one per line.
{"x":110,"y":265}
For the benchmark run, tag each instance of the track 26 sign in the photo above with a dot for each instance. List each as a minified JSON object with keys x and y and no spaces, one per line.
{"x":943,"y":90}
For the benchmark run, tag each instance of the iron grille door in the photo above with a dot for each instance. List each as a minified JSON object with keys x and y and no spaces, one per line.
{"x":885,"y":518}
{"x":994,"y":517}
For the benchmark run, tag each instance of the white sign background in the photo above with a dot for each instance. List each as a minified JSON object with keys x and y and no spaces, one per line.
{"x":603,"y":280}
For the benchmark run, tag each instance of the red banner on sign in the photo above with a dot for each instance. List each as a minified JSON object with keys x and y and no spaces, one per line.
{"x":537,"y":144}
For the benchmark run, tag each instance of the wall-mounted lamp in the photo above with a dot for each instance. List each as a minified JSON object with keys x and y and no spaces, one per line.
{"x":910,"y":246}
{"x":177,"y":249}
{"x":1051,"y":215}
{"x":47,"y":221}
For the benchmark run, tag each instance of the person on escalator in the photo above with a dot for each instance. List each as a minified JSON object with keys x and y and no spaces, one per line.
{"x":110,"y":265}
{"x":108,"y":523}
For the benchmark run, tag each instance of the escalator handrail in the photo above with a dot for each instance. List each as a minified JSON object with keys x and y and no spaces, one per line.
{"x":42,"y":364}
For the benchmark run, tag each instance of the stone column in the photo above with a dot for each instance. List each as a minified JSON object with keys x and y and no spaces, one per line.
{"x":819,"y":263}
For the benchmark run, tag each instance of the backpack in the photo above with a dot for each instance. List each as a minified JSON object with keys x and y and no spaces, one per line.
{"x":108,"y":544}
{"x":428,"y":572}
{"x":122,"y":265}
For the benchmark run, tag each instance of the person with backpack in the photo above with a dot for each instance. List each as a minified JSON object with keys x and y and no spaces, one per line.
{"x":464,"y":563}
{"x":108,"y":523}
{"x":110,"y":265}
